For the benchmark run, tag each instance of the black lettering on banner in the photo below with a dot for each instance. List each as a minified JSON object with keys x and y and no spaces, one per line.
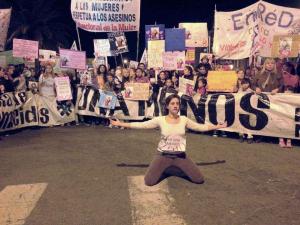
{"x":20,"y":98}
{"x":229,"y":108}
{"x":44,"y":116}
{"x":153,"y":100}
{"x":5,"y":100}
{"x":31,"y":116}
{"x":5,"y":118}
{"x":16,"y":120}
{"x":261,"y":117}
{"x":123,"y":105}
{"x":141,"y":108}
{"x":199,"y":112}
{"x":297,"y":119}
{"x":84,"y":97}
{"x":94,"y":100}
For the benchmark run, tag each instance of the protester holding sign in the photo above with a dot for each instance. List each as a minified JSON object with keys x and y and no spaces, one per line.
{"x":172,"y":146}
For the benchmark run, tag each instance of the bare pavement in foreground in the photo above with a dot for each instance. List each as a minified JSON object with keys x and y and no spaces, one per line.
{"x":94,"y":176}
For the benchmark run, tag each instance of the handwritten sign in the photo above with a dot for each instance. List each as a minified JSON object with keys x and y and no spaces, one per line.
{"x":102,"y":47}
{"x":63,"y":88}
{"x":196,"y":34}
{"x":155,"y":53}
{"x":173,"y":60}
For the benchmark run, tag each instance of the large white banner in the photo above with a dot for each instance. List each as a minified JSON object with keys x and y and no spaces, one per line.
{"x":269,"y":115}
{"x":242,"y":33}
{"x":18,"y":110}
{"x":4,"y":24}
{"x":106,"y":15}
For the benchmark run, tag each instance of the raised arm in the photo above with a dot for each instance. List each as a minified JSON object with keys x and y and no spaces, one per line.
{"x":203,"y":127}
{"x":150,"y":124}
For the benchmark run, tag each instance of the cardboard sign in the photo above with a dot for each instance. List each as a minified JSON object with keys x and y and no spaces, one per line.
{"x":25,"y":49}
{"x":72,"y":59}
{"x":173,"y":60}
{"x":63,"y":88}
{"x":186,"y":86}
{"x":118,"y":42}
{"x":175,"y":40}
{"x":137,"y":91}
{"x":221,"y":81}
{"x":196,"y":34}
{"x":108,"y":100}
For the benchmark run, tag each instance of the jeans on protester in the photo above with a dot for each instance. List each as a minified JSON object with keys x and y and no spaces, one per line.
{"x":163,"y":161}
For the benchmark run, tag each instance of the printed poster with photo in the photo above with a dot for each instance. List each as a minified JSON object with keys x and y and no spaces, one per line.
{"x":154,"y":33}
{"x":186,"y":86}
{"x":286,"y":46}
{"x":118,"y":42}
{"x":85,"y":77}
{"x":108,"y":100}
{"x":72,"y":59}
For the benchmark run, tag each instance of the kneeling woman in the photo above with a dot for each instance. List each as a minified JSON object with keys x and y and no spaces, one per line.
{"x":171,"y":148}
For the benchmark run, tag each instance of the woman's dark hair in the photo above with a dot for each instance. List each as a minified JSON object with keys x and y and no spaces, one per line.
{"x":169,"y":99}
{"x":204,"y":81}
{"x":190,"y":69}
{"x":105,"y":72}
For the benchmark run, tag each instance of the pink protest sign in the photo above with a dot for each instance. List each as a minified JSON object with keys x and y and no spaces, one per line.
{"x":25,"y":49}
{"x":72,"y":59}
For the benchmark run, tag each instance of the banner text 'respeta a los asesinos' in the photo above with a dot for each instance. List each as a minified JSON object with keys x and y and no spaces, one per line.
{"x":104,"y":16}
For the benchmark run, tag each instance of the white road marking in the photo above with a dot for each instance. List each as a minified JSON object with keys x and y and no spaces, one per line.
{"x":17,"y":202}
{"x":152,"y":205}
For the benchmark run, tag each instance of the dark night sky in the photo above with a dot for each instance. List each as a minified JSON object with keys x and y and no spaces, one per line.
{"x":169,"y":12}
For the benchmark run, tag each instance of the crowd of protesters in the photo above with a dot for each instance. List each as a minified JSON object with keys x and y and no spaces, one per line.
{"x":274,"y":76}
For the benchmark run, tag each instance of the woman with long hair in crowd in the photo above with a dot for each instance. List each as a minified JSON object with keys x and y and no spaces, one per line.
{"x":188,"y":73}
{"x":46,"y":82}
{"x":171,"y":149}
